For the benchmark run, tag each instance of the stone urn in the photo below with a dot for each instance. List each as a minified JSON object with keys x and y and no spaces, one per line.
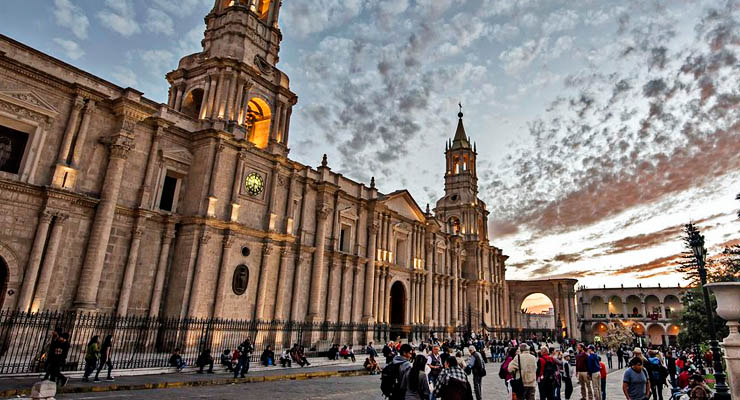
{"x":728,"y":307}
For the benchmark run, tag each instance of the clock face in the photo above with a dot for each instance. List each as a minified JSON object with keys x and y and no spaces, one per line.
{"x":254,"y":184}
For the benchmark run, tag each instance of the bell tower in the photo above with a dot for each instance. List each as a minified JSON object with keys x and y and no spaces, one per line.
{"x":461,"y":174}
{"x":234,"y":85}
{"x":464,"y":213}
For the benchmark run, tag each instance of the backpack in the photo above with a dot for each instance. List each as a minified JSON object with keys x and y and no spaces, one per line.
{"x":503,"y":372}
{"x":390,"y":381}
{"x":480,"y":368}
{"x":549,"y":370}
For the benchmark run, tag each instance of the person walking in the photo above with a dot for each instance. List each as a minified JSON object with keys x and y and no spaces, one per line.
{"x":504,"y":371}
{"x":92,"y":355}
{"x":477,"y":367}
{"x":566,"y":376}
{"x":393,"y":373}
{"x":242,"y":366}
{"x":656,"y":374}
{"x":57,"y":357}
{"x":584,"y":378}
{"x":594,"y":371}
{"x":603,"y":375}
{"x":105,"y":358}
{"x":525,"y":365}
{"x":609,"y":356}
{"x":546,"y":374}
{"x":414,"y":382}
{"x":557,"y":356}
{"x":635,"y":382}
{"x":434,"y":361}
{"x":620,"y":357}
{"x":670,"y":363}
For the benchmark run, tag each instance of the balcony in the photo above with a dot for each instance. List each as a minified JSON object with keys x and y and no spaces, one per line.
{"x":633,"y":315}
{"x":616,"y":315}
{"x":598,"y":316}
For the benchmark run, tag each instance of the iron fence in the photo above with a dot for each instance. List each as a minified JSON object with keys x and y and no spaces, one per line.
{"x":144,"y":342}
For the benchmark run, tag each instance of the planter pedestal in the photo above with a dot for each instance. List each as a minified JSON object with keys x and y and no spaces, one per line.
{"x":728,"y":307}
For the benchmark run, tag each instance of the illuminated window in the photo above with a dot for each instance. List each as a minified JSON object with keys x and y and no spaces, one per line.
{"x":192,"y":102}
{"x":257,"y":122}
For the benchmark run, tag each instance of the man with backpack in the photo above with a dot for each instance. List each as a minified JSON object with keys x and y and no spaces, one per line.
{"x":478,"y":368}
{"x":594,"y":371}
{"x":547,"y":374}
{"x":393,"y":372}
{"x":523,"y":369}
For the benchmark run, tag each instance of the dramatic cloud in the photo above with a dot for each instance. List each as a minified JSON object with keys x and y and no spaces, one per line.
{"x":70,"y":48}
{"x":119,"y":16}
{"x":70,"y":16}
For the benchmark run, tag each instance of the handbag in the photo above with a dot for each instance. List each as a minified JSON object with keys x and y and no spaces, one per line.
{"x":517,"y":384}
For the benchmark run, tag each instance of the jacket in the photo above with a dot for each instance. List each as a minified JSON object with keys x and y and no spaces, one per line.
{"x":422,"y":390}
{"x":592,"y":364}
{"x":528,"y":368}
{"x":582,"y":362}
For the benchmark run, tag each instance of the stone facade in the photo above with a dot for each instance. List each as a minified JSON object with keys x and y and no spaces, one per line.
{"x":193,"y":208}
{"x":650,"y":312}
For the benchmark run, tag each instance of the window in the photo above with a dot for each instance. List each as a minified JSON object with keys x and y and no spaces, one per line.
{"x":192,"y":103}
{"x":12,"y":147}
{"x":344,"y":238}
{"x":167,"y":199}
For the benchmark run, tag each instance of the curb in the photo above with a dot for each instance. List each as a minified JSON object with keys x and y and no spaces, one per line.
{"x":196,"y":383}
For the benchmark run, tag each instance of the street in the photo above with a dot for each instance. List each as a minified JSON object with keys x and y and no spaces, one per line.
{"x":356,"y":388}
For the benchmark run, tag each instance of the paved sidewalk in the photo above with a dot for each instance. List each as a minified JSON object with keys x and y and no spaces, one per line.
{"x":13,"y":387}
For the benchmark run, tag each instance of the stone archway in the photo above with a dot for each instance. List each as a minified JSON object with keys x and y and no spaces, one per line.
{"x":560,"y":291}
{"x":397,"y":304}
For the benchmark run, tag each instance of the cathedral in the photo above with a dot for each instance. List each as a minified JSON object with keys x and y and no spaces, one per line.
{"x":117,"y":204}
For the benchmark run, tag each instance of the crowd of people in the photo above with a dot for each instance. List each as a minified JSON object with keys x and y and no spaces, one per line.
{"x":533,"y":368}
{"x":451,"y":369}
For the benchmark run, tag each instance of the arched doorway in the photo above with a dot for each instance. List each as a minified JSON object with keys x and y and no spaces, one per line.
{"x":3,"y":281}
{"x":538,"y":312}
{"x":398,"y":304}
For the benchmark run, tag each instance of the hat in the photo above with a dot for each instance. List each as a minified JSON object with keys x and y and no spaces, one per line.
{"x":591,"y":347}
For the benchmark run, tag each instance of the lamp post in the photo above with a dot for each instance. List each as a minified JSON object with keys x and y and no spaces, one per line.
{"x":696,"y":240}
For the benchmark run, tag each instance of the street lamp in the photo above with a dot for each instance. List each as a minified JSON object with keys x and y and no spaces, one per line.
{"x":696,"y":240}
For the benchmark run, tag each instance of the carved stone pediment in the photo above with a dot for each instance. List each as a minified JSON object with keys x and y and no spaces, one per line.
{"x":177,"y":154}
{"x":29,"y":100}
{"x":349,"y":213}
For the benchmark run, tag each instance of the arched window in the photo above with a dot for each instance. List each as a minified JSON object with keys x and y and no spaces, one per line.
{"x":455,"y":225}
{"x":261,"y":7}
{"x":258,"y":122}
{"x":192,"y":103}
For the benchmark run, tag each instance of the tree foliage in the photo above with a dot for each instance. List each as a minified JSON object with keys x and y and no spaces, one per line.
{"x":726,"y":267}
{"x":617,"y":335}
{"x":687,"y":264}
{"x":693,"y":319}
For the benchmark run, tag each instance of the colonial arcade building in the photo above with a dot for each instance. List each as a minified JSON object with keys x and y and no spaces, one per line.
{"x":114,"y":203}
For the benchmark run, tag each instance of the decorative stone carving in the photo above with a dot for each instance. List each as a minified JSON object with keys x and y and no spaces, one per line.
{"x":264,"y":67}
{"x":240,"y":280}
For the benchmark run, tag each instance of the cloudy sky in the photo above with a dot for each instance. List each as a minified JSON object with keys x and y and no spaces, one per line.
{"x":602,"y":126}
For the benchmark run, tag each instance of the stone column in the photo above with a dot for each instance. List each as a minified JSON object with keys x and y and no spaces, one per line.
{"x":297,"y":283}
{"x":130,"y":271}
{"x":238,"y":102}
{"x":82,"y":134}
{"x":211,"y":97}
{"x":259,"y":311}
{"x":331,"y":299}
{"x":412,"y":299}
{"x":282,"y":289}
{"x":164,"y":254}
{"x":92,"y":268}
{"x":217,"y":101}
{"x":34,"y":262}
{"x":236,"y":185}
{"x":455,"y":292}
{"x":353,"y":315}
{"x":387,"y":309}
{"x":47,"y":270}
{"x":369,"y":275}
{"x":200,"y":264}
{"x":438,"y":300}
{"x":69,"y":132}
{"x":376,"y":297}
{"x":317,"y":273}
{"x":381,"y":296}
{"x":428,"y":281}
{"x":146,"y":187}
{"x":223,"y":274}
{"x":204,"y":103}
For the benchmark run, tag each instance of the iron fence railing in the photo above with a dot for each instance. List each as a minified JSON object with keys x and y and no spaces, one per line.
{"x":145,"y":342}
